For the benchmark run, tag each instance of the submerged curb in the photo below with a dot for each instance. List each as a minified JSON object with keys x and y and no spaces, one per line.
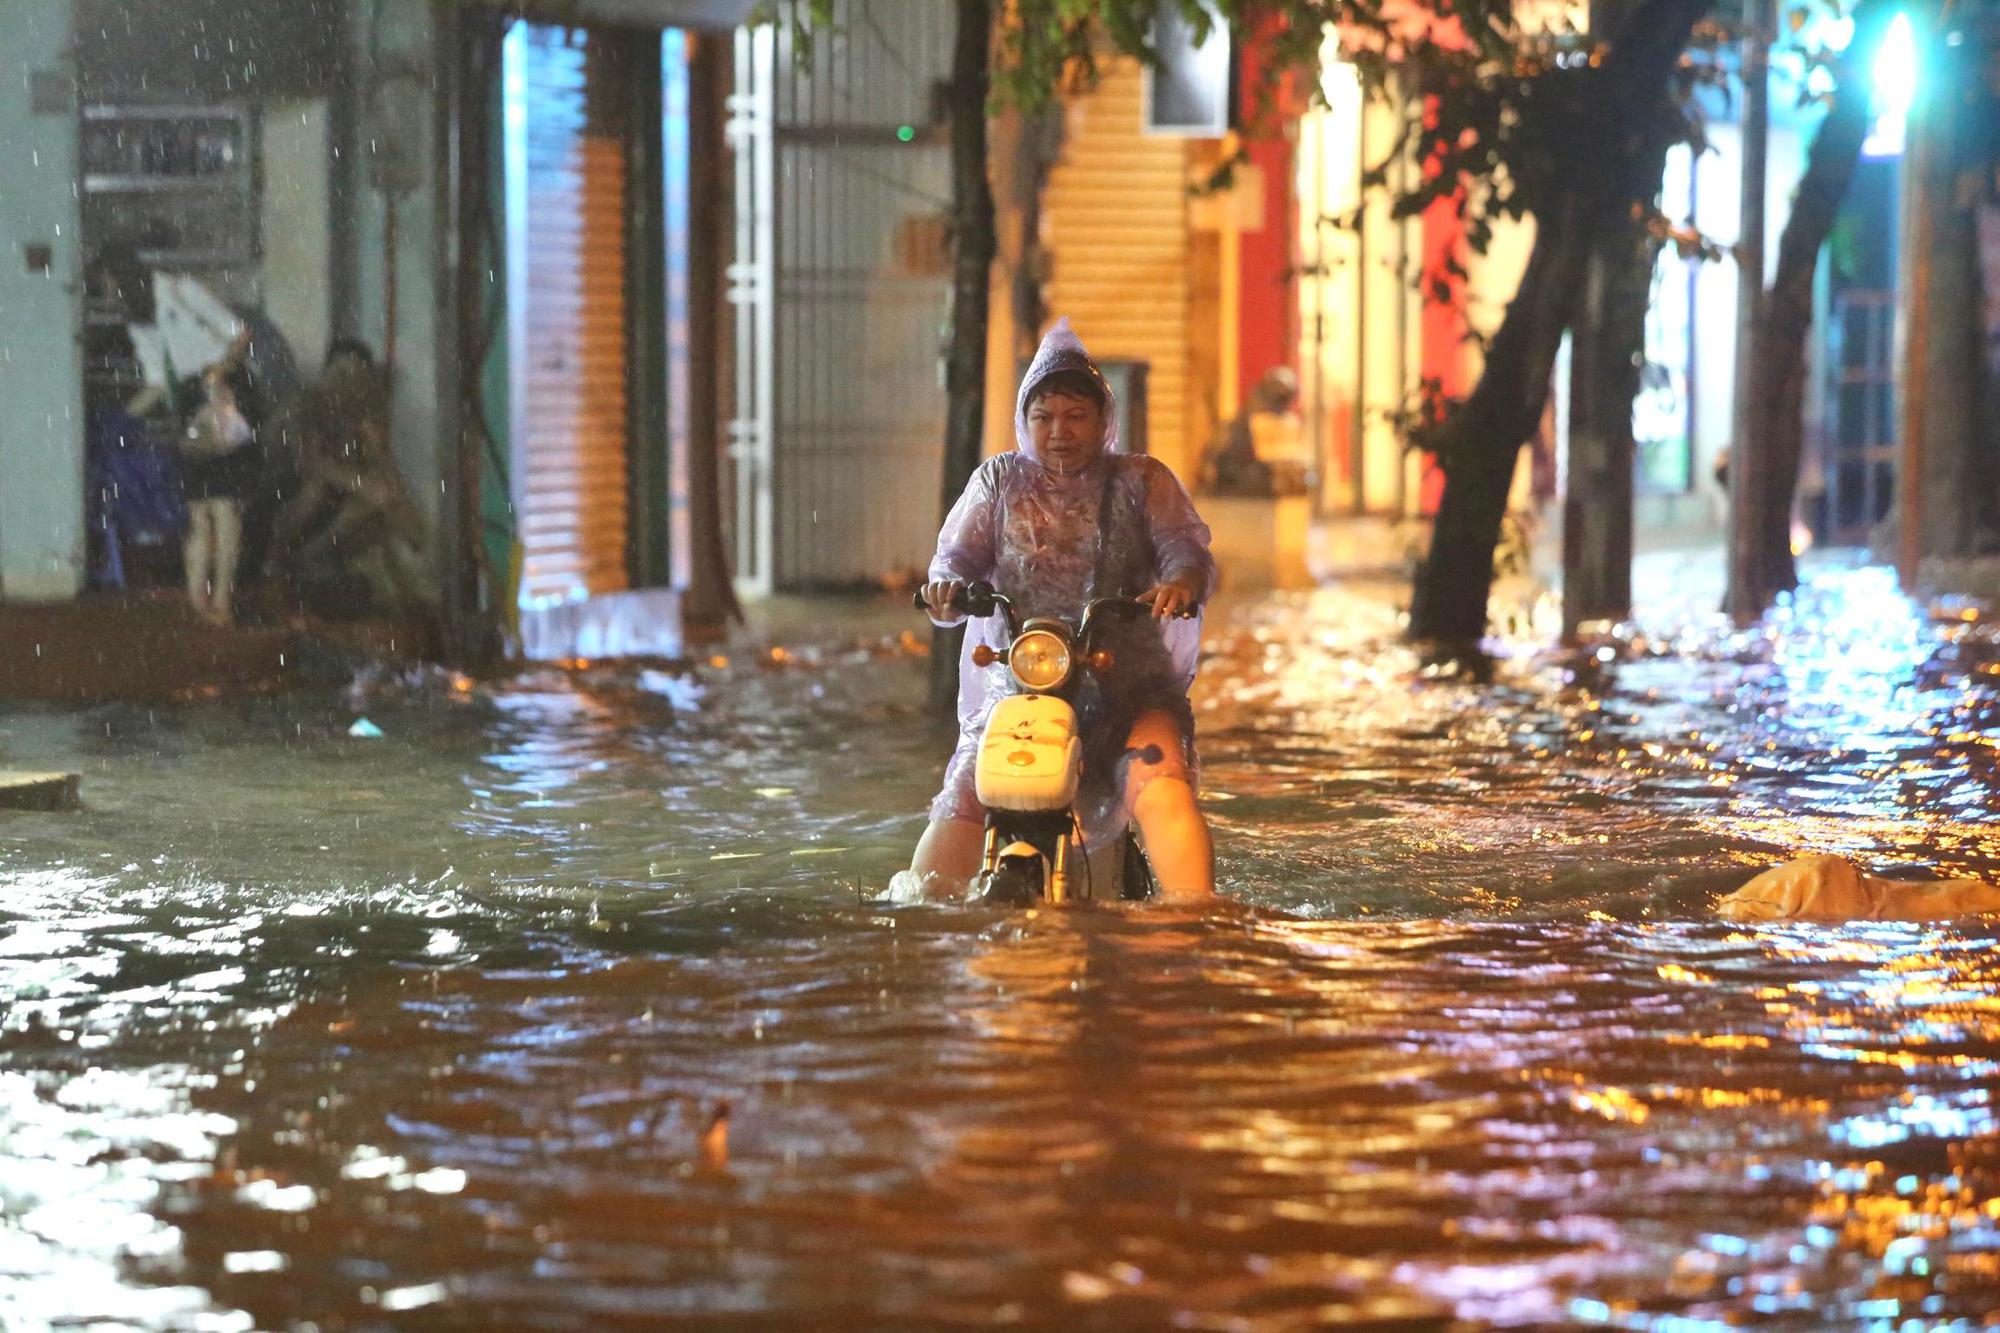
{"x":39,"y":791}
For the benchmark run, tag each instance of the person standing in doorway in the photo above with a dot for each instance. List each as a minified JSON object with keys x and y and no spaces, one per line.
{"x":217,"y":464}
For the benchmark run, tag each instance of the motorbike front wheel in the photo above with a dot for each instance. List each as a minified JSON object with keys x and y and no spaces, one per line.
{"x":1015,"y":882}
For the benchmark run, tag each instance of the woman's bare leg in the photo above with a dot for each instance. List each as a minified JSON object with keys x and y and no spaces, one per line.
{"x":228,"y":529}
{"x":949,"y":850}
{"x":198,"y":556}
{"x":1177,"y":838}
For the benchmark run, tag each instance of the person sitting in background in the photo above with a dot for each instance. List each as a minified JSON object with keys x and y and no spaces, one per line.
{"x":217,"y":463}
{"x":349,"y":536}
{"x":1264,"y":451}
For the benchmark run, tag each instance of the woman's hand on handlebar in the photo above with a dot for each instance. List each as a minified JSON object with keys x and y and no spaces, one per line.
{"x":1172,"y":598}
{"x":938,"y":597}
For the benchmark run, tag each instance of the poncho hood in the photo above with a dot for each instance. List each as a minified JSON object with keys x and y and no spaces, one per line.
{"x":1061,"y":350}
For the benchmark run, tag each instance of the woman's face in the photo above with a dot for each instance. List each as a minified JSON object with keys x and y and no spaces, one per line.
{"x":1068,"y":433}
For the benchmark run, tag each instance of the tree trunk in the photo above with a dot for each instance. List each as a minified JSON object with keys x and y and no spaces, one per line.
{"x":1607,"y":343}
{"x":1778,"y":361}
{"x":1751,"y":474}
{"x":974,"y":244}
{"x":1484,"y":435}
{"x":1956,"y":467}
{"x":1608,"y":136}
{"x":709,"y":602}
{"x":1606,"y":353}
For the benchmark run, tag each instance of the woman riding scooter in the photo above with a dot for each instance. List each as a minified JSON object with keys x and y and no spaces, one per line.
{"x":1059,"y":521}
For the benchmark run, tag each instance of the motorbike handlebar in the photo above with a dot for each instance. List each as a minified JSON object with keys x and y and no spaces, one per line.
{"x":981,"y":599}
{"x":977,"y":598}
{"x":1132,"y":605}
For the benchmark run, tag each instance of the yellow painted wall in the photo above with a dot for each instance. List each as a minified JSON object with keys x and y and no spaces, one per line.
{"x":1115,"y":219}
{"x":1361,"y":315}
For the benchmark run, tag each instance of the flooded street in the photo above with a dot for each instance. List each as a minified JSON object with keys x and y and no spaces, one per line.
{"x":309,"y":1031}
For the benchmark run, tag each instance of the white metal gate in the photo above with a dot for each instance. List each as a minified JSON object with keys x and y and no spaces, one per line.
{"x":751,"y":286}
{"x":840,"y":287}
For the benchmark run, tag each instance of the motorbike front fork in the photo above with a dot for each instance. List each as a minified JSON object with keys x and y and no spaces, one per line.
{"x":1055,"y":882}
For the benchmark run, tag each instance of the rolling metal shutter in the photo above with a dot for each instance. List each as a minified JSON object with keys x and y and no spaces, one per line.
{"x":572,"y":473}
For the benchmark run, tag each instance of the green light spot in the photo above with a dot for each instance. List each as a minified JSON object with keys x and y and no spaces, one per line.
{"x":906,"y":132}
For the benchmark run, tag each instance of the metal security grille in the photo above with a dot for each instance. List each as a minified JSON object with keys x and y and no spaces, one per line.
{"x":841,"y":286}
{"x":1860,"y":440}
{"x":566,"y":193}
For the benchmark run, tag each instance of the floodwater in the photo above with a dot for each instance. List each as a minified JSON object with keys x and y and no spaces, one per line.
{"x":433,"y":1030}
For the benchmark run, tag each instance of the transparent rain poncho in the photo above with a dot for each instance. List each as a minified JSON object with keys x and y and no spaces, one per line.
{"x":1035,"y":533}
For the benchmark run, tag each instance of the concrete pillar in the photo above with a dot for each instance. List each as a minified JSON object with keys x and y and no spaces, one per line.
{"x":297,"y":270}
{"x":41,"y":268}
{"x":398,"y":205}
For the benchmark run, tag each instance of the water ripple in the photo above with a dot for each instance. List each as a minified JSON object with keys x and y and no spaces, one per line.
{"x":571,"y":1004}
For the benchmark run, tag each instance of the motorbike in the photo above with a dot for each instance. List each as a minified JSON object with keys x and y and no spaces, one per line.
{"x":1030,"y":759}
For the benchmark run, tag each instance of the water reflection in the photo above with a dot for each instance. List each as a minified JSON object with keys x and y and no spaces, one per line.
{"x":430,"y":1027}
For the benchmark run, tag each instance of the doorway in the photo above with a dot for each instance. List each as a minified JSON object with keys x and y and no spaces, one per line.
{"x":1850,"y":482}
{"x":599,"y":201}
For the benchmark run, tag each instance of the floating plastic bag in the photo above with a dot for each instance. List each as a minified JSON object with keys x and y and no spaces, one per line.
{"x":1830,"y":888}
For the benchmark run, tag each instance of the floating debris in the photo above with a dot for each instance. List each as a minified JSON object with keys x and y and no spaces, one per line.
{"x":715,"y":1140}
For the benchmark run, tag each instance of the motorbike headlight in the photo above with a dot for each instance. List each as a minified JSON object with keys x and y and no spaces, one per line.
{"x":1039,"y":660}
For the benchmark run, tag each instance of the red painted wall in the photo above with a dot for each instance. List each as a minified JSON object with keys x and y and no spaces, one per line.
{"x":1446,"y":355}
{"x":1268,"y":322}
{"x":1444,"y":347}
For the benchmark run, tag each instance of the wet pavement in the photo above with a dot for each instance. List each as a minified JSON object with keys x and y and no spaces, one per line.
{"x":573,"y":1004}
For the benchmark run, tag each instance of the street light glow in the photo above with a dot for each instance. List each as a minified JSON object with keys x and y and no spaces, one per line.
{"x":1894,"y":73}
{"x":1895,"y":68}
